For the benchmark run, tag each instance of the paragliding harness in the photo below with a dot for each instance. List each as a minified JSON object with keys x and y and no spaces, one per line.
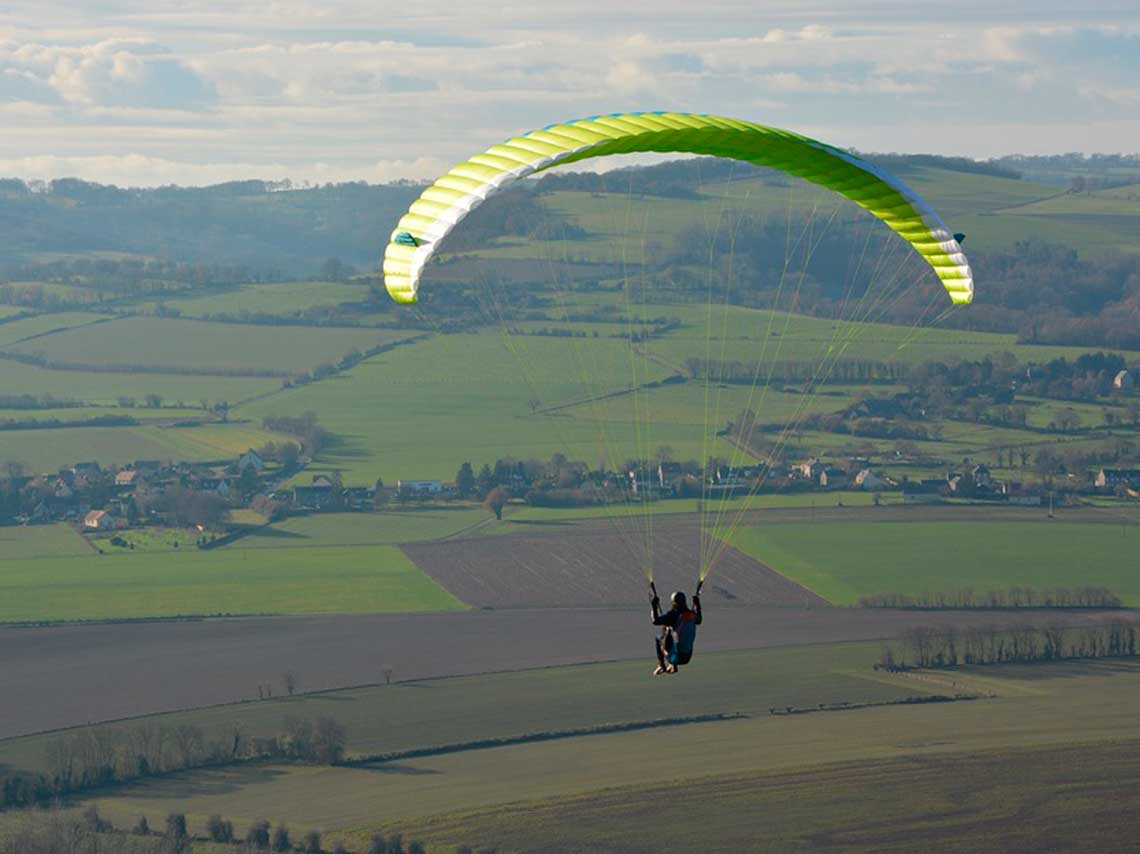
{"x":675,"y":646}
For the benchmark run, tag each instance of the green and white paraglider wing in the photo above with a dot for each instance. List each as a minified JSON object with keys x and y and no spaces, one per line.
{"x":445,"y":203}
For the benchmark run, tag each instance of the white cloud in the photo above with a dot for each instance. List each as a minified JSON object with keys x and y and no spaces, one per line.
{"x":199,"y":89}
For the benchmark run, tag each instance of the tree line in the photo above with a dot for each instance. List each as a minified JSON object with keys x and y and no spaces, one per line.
{"x":96,"y":757}
{"x":1012,"y":598}
{"x":55,"y":831}
{"x":922,"y":647}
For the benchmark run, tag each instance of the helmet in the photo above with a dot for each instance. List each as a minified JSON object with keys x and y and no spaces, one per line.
{"x":678,"y":599}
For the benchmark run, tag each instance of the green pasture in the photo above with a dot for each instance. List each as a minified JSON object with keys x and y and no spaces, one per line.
{"x":118,"y":584}
{"x":41,"y":541}
{"x":277,"y":298}
{"x":719,"y":511}
{"x":86,"y":413}
{"x":43,"y":325}
{"x":180,"y":344}
{"x":842,"y":561}
{"x":751,"y":335}
{"x":709,"y":407}
{"x":44,"y":450}
{"x":418,"y":412}
{"x":105,"y":387}
{"x":69,"y":293}
{"x":350,"y":529}
{"x":10,"y":310}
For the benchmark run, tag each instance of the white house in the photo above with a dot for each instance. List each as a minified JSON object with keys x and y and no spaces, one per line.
{"x":99,"y":520}
{"x":420,"y":487}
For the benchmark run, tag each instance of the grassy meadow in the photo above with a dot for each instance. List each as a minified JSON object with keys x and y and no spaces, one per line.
{"x":33,"y":328}
{"x":122,"y":584}
{"x":842,"y":561}
{"x":158,"y":343}
{"x":283,"y":299}
{"x":105,"y":387}
{"x":350,"y":529}
{"x":42,"y":450}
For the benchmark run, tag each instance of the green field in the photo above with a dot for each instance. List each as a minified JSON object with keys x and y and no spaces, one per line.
{"x":156,"y":343}
{"x":106,"y":387}
{"x":45,"y":450}
{"x":758,"y":335}
{"x":395,"y":414}
{"x":842,"y":561}
{"x":44,"y":324}
{"x":277,"y":298}
{"x":41,"y":541}
{"x":116,"y":585}
{"x":85,"y":413}
{"x":350,"y":529}
{"x":415,"y":390}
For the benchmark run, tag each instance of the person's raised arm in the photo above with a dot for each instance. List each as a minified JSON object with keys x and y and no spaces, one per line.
{"x":697,"y":602}
{"x":654,"y":603}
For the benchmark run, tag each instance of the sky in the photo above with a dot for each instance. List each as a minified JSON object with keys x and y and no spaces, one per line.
{"x":147,"y":92}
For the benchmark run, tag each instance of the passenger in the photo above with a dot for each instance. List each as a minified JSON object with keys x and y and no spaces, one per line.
{"x":679,"y":631}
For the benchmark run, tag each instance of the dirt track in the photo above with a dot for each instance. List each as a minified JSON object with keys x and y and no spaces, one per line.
{"x":595,"y":563}
{"x":64,"y":676}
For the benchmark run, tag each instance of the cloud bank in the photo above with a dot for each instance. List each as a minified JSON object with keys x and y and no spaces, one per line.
{"x":195,"y":92}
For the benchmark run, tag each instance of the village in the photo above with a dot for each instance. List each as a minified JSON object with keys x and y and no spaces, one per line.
{"x":210,"y":497}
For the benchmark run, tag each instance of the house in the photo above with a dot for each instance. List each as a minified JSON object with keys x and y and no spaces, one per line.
{"x":318,"y":495}
{"x":809,"y":469}
{"x":127,"y":479}
{"x":981,"y":475}
{"x":99,"y":520}
{"x":1112,"y":478}
{"x":312,"y":497}
{"x":1024,"y":499}
{"x":868,"y":481}
{"x":250,"y":458}
{"x":360,"y":497}
{"x":930,"y":491}
{"x":420,"y":487}
{"x":669,"y":473}
{"x":217,"y":485}
{"x":832,"y":478}
{"x":1123,"y":381}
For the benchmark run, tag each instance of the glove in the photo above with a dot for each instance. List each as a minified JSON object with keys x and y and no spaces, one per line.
{"x":656,"y":603}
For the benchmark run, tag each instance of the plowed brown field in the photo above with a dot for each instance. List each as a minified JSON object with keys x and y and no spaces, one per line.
{"x":589,"y":564}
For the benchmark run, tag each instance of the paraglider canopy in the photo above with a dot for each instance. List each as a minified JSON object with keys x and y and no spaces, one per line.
{"x":444,"y":204}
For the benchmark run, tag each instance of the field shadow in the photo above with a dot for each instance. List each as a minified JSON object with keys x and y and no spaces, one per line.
{"x":343,"y":446}
{"x":204,"y":782}
{"x":400,"y":768}
{"x":1046,"y":670}
{"x":270,"y":533}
